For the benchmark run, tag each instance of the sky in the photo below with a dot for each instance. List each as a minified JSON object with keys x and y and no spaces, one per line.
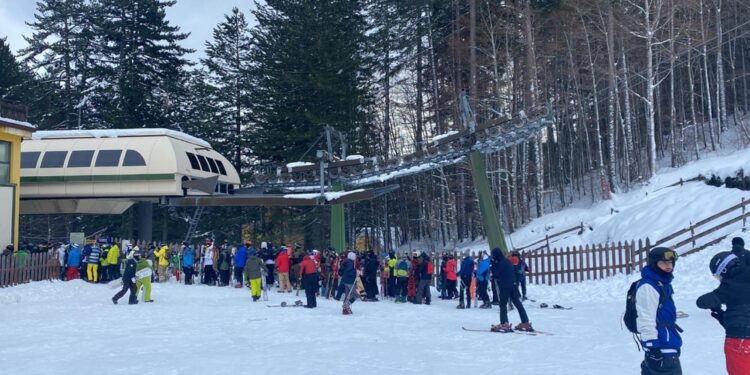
{"x":198,"y":17}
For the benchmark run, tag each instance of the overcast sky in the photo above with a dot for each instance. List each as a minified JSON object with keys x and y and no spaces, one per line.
{"x":198,"y":17}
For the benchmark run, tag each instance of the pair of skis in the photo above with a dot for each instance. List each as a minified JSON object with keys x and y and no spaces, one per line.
{"x":527,"y":333}
{"x":297,"y":303}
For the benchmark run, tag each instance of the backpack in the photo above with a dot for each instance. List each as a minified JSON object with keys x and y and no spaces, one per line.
{"x":430,"y":267}
{"x":631,"y":314}
{"x":402,"y":265}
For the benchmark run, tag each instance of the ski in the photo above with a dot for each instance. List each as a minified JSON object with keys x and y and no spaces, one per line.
{"x":528,"y":333}
{"x":554,"y":307}
{"x":297,"y":303}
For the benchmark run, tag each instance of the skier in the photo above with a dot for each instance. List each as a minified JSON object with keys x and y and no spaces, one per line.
{"x":348,"y":277}
{"x":521,"y":268}
{"x":163,"y":257}
{"x":225,"y":264}
{"x":483,"y":277}
{"x":128,"y":281}
{"x":657,"y":315}
{"x":254,"y":268}
{"x":143,"y":271}
{"x":282,"y":264}
{"x":392,"y":261}
{"x":188,"y":260}
{"x":240,"y":258}
{"x":61,"y":255}
{"x":113,"y":258}
{"x":451,"y":279}
{"x":73,"y":263}
{"x":266,"y":253}
{"x":504,"y":280}
{"x":731,"y":268}
{"x":308,"y":276}
{"x":370,"y":276}
{"x":92,"y":269}
{"x":424,"y":275}
{"x":402,"y":278}
{"x":209,"y":257}
{"x":411,"y":287}
{"x":466,"y":273}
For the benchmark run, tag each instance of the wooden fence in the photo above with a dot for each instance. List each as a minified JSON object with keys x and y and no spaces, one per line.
{"x":590,"y":262}
{"x":14,"y":269}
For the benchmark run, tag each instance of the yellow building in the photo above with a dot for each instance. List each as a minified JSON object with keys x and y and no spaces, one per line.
{"x":13,"y":129}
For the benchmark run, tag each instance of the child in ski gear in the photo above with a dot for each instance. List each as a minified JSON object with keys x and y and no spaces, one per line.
{"x":92,"y":269}
{"x":348,"y":276}
{"x":424,"y":275}
{"x":240,"y":258}
{"x":143,"y":271}
{"x":74,"y":262}
{"x":521,"y":268}
{"x":282,"y":264}
{"x":308,"y":276}
{"x":128,"y":282}
{"x":504,"y":280}
{"x":656,"y":321}
{"x":466,"y":273}
{"x":732,"y":269}
{"x":254,"y":268}
{"x":483,"y":277}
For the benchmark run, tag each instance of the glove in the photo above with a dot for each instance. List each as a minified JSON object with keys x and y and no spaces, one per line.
{"x":718,"y":314}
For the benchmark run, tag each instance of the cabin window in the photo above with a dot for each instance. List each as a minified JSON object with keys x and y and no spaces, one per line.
{"x":108,"y":158}
{"x":204,"y":163}
{"x":222,"y":170}
{"x":4,"y":163}
{"x":53,"y":159}
{"x":212,"y":164}
{"x":80,"y":159}
{"x":29,"y":159}
{"x":133,"y":159}
{"x":193,"y":161}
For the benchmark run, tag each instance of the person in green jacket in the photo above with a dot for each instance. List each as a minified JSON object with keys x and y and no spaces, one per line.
{"x":103,"y":270}
{"x":21,"y":259}
{"x":143,"y":271}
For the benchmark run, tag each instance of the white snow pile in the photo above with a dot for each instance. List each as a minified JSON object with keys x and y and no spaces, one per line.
{"x":73,"y":327}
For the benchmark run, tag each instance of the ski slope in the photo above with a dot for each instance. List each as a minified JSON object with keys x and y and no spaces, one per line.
{"x":73,"y":328}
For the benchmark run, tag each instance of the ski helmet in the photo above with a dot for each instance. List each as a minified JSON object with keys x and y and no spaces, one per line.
{"x":723,"y":264}
{"x":661,"y":254}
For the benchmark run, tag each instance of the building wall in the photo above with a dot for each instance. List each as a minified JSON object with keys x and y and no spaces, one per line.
{"x":15,"y":137}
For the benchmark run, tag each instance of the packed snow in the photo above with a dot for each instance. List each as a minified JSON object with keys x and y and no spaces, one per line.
{"x":73,"y":327}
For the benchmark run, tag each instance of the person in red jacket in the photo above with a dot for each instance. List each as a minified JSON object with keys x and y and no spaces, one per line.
{"x":450,"y":277}
{"x":308,"y":275}
{"x":411,"y":285}
{"x":282,"y":265}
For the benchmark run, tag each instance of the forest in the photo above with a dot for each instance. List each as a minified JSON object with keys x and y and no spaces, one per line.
{"x":634,"y":85}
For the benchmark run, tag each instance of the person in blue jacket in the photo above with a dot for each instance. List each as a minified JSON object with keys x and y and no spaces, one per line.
{"x":188,"y":262}
{"x":74,"y":262}
{"x":466,"y":274}
{"x":657,"y":315}
{"x":240,"y":258}
{"x":483,"y":277}
{"x":504,"y":278}
{"x":348,"y":276}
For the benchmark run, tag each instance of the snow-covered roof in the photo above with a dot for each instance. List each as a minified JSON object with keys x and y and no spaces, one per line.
{"x":355,"y":157}
{"x":116,"y":133}
{"x":437,"y":138}
{"x":17,"y":124}
{"x":328,"y":196}
{"x":298,"y":164}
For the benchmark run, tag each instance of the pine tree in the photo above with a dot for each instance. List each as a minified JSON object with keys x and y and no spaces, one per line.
{"x":311,"y":70}
{"x":11,"y":76}
{"x":143,"y":60}
{"x":228,"y":64}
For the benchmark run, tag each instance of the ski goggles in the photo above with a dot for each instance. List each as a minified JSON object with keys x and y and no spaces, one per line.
{"x":669,"y":256}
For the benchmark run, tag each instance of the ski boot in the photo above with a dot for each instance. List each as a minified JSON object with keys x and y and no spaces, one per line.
{"x":525,"y":327}
{"x":502,"y":328}
{"x":347,"y":310}
{"x":149,"y":301}
{"x":486,"y":306}
{"x":238,"y":286}
{"x":461,"y":306}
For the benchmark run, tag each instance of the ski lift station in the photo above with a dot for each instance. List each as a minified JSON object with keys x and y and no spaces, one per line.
{"x":106,"y":171}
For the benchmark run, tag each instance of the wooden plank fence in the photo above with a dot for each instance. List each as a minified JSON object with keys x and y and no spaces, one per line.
{"x":591,"y":262}
{"x":37,"y":267}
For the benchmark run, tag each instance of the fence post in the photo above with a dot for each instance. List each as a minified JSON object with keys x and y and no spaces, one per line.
{"x":692,"y":230}
{"x":744,"y":220}
{"x":546,"y":239}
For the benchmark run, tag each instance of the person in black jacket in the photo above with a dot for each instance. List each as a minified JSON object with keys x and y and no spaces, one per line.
{"x":128,"y":282}
{"x":506,"y":283}
{"x":370,"y":276}
{"x":348,"y":276}
{"x":424,"y":279}
{"x":733,"y":269}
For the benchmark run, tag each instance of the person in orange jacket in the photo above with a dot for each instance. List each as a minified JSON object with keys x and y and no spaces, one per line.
{"x":308,"y":275}
{"x":282,"y":265}
{"x":450,"y":277}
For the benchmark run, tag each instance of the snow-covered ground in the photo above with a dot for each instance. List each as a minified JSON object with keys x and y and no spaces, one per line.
{"x":73,"y":328}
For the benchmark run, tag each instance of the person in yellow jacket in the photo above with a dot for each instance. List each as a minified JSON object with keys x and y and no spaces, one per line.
{"x":162,"y":255}
{"x":113,"y":258}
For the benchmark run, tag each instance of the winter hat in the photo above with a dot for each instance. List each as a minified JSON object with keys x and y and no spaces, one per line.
{"x":738,"y":244}
{"x":252,"y":252}
{"x":497,"y":253}
{"x":660,"y":253}
{"x":724,"y":264}
{"x":351,"y":256}
{"x":264,"y":245}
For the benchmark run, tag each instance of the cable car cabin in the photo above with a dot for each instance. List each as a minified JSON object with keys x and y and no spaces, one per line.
{"x":106,"y":171}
